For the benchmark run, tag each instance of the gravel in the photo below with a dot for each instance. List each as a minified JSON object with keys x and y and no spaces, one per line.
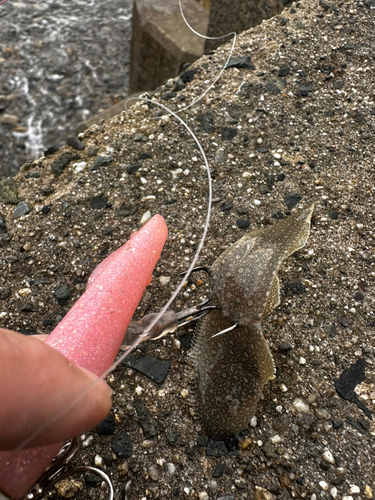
{"x":314,"y":336}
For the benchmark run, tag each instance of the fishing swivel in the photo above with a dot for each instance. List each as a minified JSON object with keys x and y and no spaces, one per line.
{"x":60,"y":469}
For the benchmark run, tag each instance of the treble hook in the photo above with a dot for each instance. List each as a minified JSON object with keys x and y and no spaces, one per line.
{"x":167,"y":323}
{"x":60,"y":469}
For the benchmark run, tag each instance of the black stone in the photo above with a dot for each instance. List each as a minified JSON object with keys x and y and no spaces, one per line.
{"x":358,"y":296}
{"x":229,"y":447}
{"x":188,"y":76}
{"x":3,"y":228}
{"x":295,"y":288}
{"x":348,"y":381}
{"x":284,"y":71}
{"x":5,"y":292}
{"x":172,"y":438}
{"x":149,"y":425}
{"x":46,"y":191}
{"x":202,"y":440}
{"x":28,"y":308}
{"x":75,"y":143}
{"x":4,"y":239}
{"x":106,"y":426}
{"x":179,"y":85}
{"x":285,"y":347}
{"x":92,"y":479}
{"x":186,"y":340}
{"x":226,"y":206}
{"x":343,"y":321}
{"x":62,"y":294}
{"x":99,"y":202}
{"x":125,"y":210}
{"x":219,"y":470}
{"x":305,"y":88}
{"x":50,"y":151}
{"x":133,"y":169}
{"x":228,"y":133}
{"x":292,"y":199}
{"x":60,"y":164}
{"x":155,"y":369}
{"x":144,"y":156}
{"x":46,"y":209}
{"x":270,"y":179}
{"x":243,"y":62}
{"x":242,"y":224}
{"x":324,"y":465}
{"x":263,"y":150}
{"x":332,"y":332}
{"x":168,"y":95}
{"x":122,"y":445}
{"x":206,"y":122}
{"x":276,"y":214}
{"x":101,"y":161}
{"x":333,"y":215}
{"x":337,"y":423}
{"x":263,"y":189}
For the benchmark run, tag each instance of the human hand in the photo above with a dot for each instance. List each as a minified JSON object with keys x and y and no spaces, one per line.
{"x":37,"y":383}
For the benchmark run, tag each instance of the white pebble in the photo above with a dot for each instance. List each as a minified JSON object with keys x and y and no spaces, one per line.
{"x":354,"y":489}
{"x":328,"y":457}
{"x":259,"y":443}
{"x":87,"y":442}
{"x":143,"y":180}
{"x":78,"y":167}
{"x":253,"y":421}
{"x":170,"y":468}
{"x":164,"y":280}
{"x":302,"y":360}
{"x":256,"y":202}
{"x":24,"y":292}
{"x":184,"y":393}
{"x":324,"y":485}
{"x":202,"y":495}
{"x":138,"y":390}
{"x":177,"y":343}
{"x":349,"y":497}
{"x":276,"y":439}
{"x":333,"y":492}
{"x":300,"y":405}
{"x":145,"y":217}
{"x":283,"y":388}
{"x":279,"y":409}
{"x":98,"y":460}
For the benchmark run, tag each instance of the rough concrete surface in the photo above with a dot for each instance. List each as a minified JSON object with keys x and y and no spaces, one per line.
{"x":301,"y":123}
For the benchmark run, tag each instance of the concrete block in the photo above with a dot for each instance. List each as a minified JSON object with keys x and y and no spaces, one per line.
{"x":162,"y":43}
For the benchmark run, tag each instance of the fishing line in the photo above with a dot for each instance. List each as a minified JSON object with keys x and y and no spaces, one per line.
{"x":196,"y":256}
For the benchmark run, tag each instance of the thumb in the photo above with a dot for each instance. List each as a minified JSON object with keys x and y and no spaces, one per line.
{"x":38,"y":384}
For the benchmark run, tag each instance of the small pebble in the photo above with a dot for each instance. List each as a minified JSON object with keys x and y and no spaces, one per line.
{"x":154,"y":473}
{"x":98,"y":460}
{"x":145,"y":217}
{"x":164,"y":280}
{"x":328,"y":457}
{"x":354,"y":489}
{"x":21,"y":209}
{"x":300,"y":405}
{"x":324,"y":485}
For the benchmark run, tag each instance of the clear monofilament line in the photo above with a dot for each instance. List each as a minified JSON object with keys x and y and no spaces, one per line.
{"x":207,"y":38}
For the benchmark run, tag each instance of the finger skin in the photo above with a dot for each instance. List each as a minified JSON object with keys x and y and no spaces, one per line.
{"x":126,"y":275}
{"x":37,"y":382}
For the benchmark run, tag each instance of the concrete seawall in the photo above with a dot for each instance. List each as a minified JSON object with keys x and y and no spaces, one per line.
{"x":291,"y":122}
